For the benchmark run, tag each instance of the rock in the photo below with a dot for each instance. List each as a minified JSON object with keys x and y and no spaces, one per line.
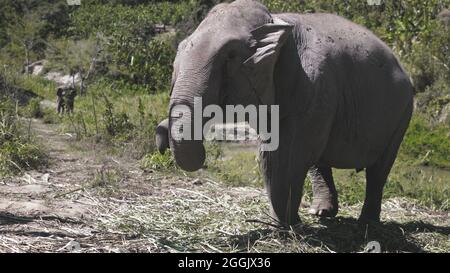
{"x":61,"y":79}
{"x":232,"y":132}
{"x":36,"y":68}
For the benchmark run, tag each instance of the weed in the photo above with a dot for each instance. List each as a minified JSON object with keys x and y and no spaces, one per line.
{"x":157,"y":161}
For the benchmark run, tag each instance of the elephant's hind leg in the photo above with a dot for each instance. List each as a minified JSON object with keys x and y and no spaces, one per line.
{"x":325,"y":198}
{"x":377,"y":174}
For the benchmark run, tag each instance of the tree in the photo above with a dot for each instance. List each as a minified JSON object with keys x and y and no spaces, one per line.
{"x":76,"y":56}
{"x":25,"y":31}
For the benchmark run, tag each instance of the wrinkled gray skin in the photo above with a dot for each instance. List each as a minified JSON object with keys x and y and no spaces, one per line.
{"x":345,"y":101}
{"x":162,"y":136}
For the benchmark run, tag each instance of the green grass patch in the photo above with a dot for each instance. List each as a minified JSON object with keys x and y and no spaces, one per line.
{"x":38,"y":85}
{"x":18,"y":151}
{"x":32,"y":109}
{"x":234,"y":167}
{"x":157,"y":161}
{"x":426,"y":144}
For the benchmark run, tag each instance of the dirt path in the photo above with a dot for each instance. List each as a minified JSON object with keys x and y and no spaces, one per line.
{"x":89,"y":201}
{"x":79,"y":203}
{"x":50,"y":210}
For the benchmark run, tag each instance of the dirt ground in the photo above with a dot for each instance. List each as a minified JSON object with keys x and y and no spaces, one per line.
{"x":89,"y":201}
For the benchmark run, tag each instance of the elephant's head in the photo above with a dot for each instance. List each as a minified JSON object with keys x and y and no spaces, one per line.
{"x":229,"y":59}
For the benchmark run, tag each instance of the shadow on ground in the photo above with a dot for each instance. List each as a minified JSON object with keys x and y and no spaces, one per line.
{"x":345,"y":234}
{"x":7,"y":218}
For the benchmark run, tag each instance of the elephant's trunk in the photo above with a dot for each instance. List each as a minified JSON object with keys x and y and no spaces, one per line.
{"x":189,"y":153}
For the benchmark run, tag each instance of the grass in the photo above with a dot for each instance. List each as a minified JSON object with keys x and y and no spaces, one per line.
{"x":18,"y":150}
{"x":40,"y":86}
{"x":208,"y":217}
{"x":236,"y":165}
{"x":32,"y":109}
{"x":119,"y":115}
{"x":157,"y":161}
{"x":428,"y":145}
{"x":106,"y":181}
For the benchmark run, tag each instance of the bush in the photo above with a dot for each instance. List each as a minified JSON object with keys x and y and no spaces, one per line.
{"x":116,"y":123}
{"x":434,"y":101}
{"x":429,"y":60}
{"x":33,"y":109}
{"x":427,"y":145}
{"x":17,"y":152}
{"x":157,"y":161}
{"x":133,"y":52}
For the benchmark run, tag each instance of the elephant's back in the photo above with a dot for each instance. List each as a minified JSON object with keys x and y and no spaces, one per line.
{"x":331,"y":43}
{"x":325,"y":36}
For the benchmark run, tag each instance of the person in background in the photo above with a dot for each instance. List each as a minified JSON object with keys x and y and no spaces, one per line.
{"x":60,"y":100}
{"x":70,"y":98}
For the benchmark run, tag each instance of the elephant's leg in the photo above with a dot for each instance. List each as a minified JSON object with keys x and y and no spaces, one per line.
{"x":284,"y":186}
{"x":325,"y":198}
{"x":285,"y":171}
{"x":376,"y":176}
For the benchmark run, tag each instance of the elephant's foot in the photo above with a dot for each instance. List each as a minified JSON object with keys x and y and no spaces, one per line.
{"x":325,"y":200}
{"x":324,"y":207}
{"x":370,"y":214}
{"x":286,"y":222}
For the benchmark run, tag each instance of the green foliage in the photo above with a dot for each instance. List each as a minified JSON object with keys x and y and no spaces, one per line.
{"x":429,"y":60}
{"x":73,"y":56}
{"x":157,"y":161}
{"x":236,"y":168}
{"x":108,"y":19}
{"x":41,"y":87}
{"x":116,"y":123}
{"x":32,"y":109}
{"x":50,"y":116}
{"x":133,"y":53}
{"x":17,"y":151}
{"x":148,"y":63}
{"x":434,"y":102}
{"x":124,"y":118}
{"x":428,"y":145}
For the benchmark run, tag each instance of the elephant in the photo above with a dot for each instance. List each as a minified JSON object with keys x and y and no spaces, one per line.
{"x":344,"y":99}
{"x":162,"y":136}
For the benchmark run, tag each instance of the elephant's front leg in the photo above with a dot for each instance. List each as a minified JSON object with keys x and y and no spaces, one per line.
{"x":284,"y":186}
{"x":325,"y":198}
{"x":284,"y":173}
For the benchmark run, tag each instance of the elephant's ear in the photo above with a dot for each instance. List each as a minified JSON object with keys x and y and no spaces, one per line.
{"x":268,"y":41}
